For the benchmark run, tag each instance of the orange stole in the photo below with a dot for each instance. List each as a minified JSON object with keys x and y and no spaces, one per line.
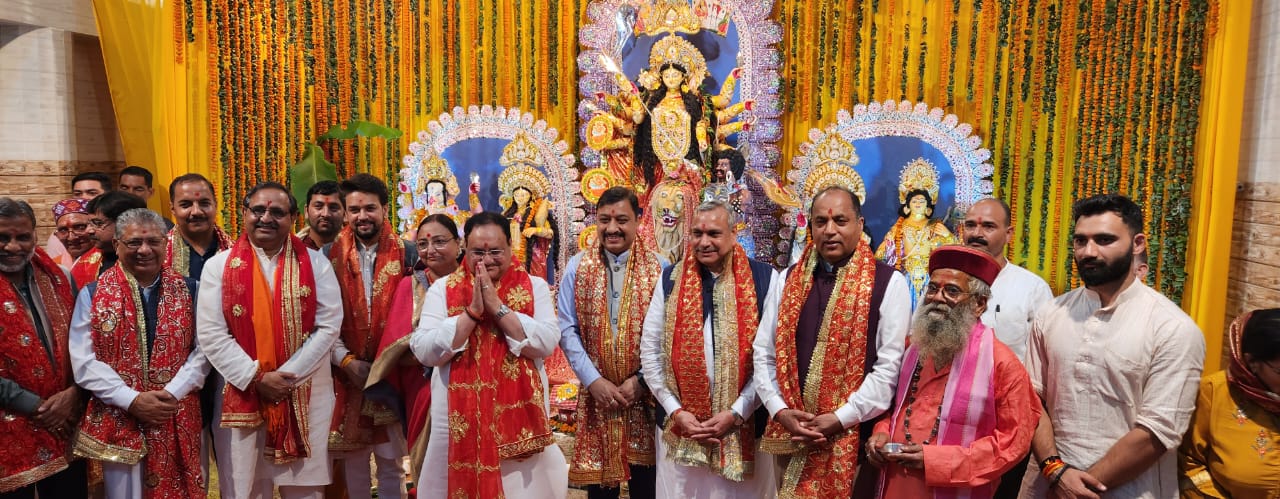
{"x":837,"y":367}
{"x":495,"y":399}
{"x":608,"y":441}
{"x":119,"y":331}
{"x":24,"y":360}
{"x":85,"y":270}
{"x":354,"y":418}
{"x":735,"y":326}
{"x":177,"y":256}
{"x":290,"y":314}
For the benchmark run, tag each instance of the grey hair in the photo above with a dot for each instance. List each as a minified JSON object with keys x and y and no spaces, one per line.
{"x":138,"y":216}
{"x":979,"y":289}
{"x":16,"y":208}
{"x":719,"y":205}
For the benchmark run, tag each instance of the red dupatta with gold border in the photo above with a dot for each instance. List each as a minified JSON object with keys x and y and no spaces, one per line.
{"x":289,"y":313}
{"x":496,"y":407}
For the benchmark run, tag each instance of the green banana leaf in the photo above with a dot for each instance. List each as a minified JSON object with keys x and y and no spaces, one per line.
{"x":310,"y":170}
{"x":358,"y":128}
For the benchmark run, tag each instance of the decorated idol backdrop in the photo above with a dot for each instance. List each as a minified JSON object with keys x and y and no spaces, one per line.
{"x":502,"y":160}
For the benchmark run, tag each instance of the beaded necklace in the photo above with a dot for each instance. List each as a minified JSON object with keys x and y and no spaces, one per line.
{"x":911,"y":401}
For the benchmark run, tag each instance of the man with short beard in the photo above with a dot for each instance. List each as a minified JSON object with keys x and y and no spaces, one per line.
{"x":324,"y":215}
{"x":39,"y":401}
{"x":133,"y":347}
{"x":1117,"y":365}
{"x":195,"y":238}
{"x":103,"y":211}
{"x":964,"y":410}
{"x":695,"y":353}
{"x":837,"y":295}
{"x":604,"y":294}
{"x":369,"y":261}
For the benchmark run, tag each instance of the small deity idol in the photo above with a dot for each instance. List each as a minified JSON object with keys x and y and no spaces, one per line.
{"x":913,"y":237}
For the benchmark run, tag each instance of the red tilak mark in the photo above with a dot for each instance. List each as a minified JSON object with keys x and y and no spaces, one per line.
{"x":829,"y":212}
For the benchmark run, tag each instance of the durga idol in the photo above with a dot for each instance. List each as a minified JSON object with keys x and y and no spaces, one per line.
{"x":914,"y":236}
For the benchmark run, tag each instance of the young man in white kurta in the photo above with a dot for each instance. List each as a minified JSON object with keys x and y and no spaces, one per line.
{"x":243,"y":470}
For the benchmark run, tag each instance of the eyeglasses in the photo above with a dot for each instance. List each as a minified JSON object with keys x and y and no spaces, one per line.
{"x":76,"y":228}
{"x":136,"y":244}
{"x":950,"y":291}
{"x":99,"y":223}
{"x":437,"y":243}
{"x":259,"y":212}
{"x":493,"y":253}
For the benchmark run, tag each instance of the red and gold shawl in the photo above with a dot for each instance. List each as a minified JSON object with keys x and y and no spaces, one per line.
{"x":85,"y":270}
{"x":24,"y":360}
{"x":495,"y":398}
{"x":178,"y":254}
{"x":836,"y":368}
{"x":735,"y":325}
{"x":287,"y":312}
{"x":354,"y":418}
{"x":607,"y":441}
{"x":119,"y":331}
{"x":1241,"y":377}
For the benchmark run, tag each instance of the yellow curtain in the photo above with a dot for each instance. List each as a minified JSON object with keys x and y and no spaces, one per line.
{"x":159,"y":109}
{"x":1217,"y":153}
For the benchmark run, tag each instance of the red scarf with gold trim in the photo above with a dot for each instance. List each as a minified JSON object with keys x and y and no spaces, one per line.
{"x":354,"y":418}
{"x":607,"y":441}
{"x":24,"y":360}
{"x":178,"y":254}
{"x":734,"y":326}
{"x":837,"y":367}
{"x":85,"y":269}
{"x":291,"y":307}
{"x":495,"y":399}
{"x":119,"y":332}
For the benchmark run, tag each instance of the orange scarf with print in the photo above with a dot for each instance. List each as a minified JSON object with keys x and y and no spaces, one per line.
{"x":837,"y":368}
{"x":734,"y":326}
{"x":24,"y":360}
{"x":85,"y":269}
{"x":108,"y":433}
{"x":496,"y":399}
{"x":608,"y":441}
{"x":270,"y":324}
{"x":354,"y":418}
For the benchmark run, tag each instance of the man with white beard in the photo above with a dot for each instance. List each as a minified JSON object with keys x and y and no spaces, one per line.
{"x":964,"y":410}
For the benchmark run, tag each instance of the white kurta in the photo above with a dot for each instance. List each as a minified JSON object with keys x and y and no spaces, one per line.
{"x":873,"y":396}
{"x":1015,"y":297}
{"x":243,"y":470}
{"x":543,"y":475}
{"x":121,"y":480}
{"x":677,"y":481}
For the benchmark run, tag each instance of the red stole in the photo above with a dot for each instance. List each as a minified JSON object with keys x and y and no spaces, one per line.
{"x":495,"y":399}
{"x":836,"y":368}
{"x":119,"y":332}
{"x":735,"y":326}
{"x":85,"y":270}
{"x":24,"y":360}
{"x":290,"y":309}
{"x":178,"y":255}
{"x":354,"y":418}
{"x":406,"y":384}
{"x":607,"y":441}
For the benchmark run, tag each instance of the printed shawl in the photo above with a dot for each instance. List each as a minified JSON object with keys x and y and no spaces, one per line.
{"x":85,"y":270}
{"x":495,"y":398}
{"x":178,"y":254}
{"x":270,"y":324}
{"x":837,"y":367}
{"x":119,"y":331}
{"x":607,"y":441}
{"x":1241,"y":377}
{"x":24,"y":360}
{"x":734,"y":327}
{"x":355,"y":419}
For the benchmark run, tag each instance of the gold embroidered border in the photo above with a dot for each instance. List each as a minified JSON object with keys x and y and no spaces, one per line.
{"x":33,"y":475}
{"x":92,"y":448}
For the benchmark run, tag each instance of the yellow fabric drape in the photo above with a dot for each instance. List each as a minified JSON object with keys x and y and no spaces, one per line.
{"x":1217,"y":153}
{"x":159,"y":100}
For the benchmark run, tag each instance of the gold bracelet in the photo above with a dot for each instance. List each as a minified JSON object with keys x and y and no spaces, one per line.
{"x":347,"y":360}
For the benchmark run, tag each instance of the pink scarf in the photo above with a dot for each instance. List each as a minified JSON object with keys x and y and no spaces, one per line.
{"x":968,"y":405}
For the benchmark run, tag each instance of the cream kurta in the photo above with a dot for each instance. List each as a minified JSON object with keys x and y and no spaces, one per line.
{"x":542,"y":475}
{"x":1104,"y":371}
{"x":243,"y":471}
{"x":1016,"y":295}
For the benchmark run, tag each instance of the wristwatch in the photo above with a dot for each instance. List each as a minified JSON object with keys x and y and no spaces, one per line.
{"x":502,"y":312}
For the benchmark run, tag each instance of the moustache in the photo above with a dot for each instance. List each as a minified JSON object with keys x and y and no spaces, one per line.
{"x":976,"y":240}
{"x":614,"y":234}
{"x":266,"y":225}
